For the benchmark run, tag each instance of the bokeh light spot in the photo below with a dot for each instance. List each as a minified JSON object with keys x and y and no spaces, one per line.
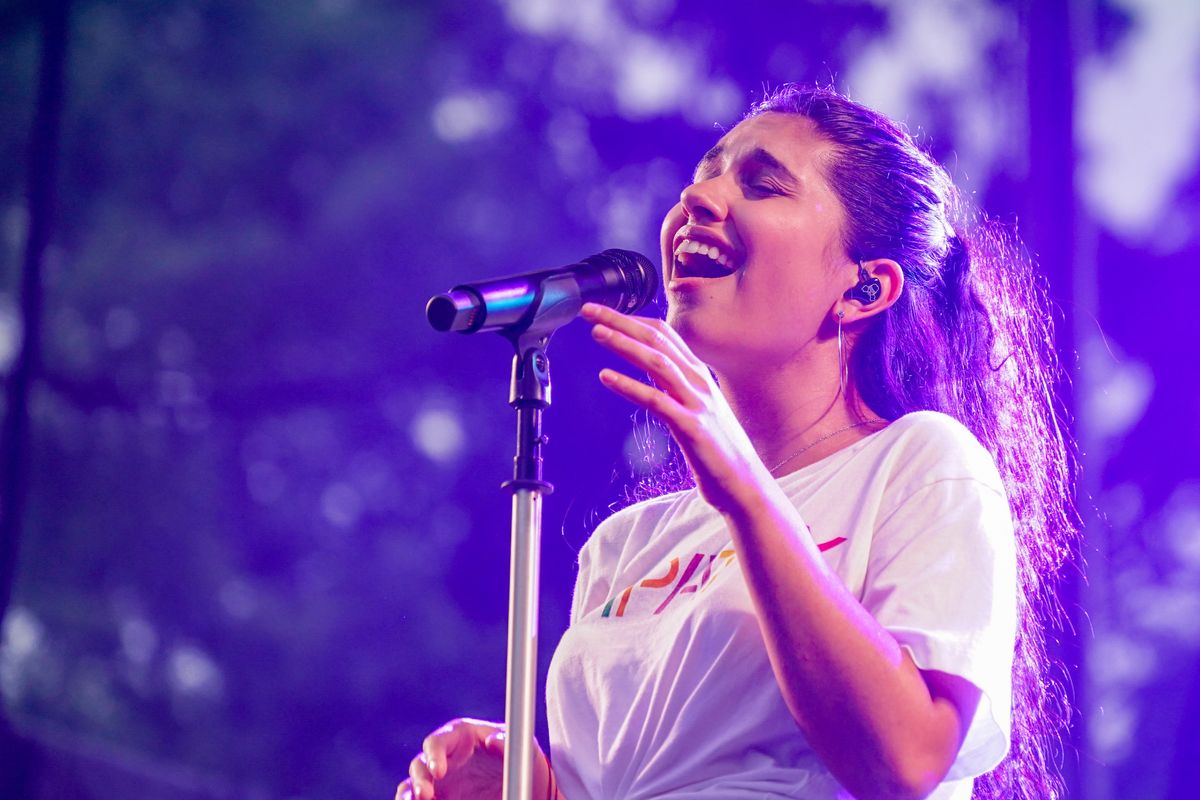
{"x":1121,"y":391}
{"x":1183,"y":525}
{"x":193,"y":672}
{"x":653,"y":77}
{"x":1139,"y":121}
{"x":238,"y":599}
{"x":470,"y":115}
{"x":15,"y":225}
{"x":22,"y":633}
{"x":138,"y":640}
{"x":717,"y":103}
{"x":10,"y":332}
{"x":534,"y":16}
{"x":438,"y":433}
{"x":341,"y":504}
{"x":1111,"y":731}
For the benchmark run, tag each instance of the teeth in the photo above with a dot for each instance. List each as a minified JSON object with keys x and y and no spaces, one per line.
{"x":699,"y":248}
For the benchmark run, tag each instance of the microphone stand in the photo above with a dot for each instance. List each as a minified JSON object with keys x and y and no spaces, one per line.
{"x":529,"y":395}
{"x":557,"y":300}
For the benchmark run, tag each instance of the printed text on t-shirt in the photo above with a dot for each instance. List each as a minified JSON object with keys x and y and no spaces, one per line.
{"x":715,"y":563}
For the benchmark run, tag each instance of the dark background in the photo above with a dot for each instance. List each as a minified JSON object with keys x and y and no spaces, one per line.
{"x":251,"y":500}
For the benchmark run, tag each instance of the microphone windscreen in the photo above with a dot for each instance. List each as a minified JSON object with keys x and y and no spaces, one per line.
{"x":624,"y":280}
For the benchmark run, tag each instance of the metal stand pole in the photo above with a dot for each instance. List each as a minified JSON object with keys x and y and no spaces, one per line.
{"x":529,"y":394}
{"x":624,"y":280}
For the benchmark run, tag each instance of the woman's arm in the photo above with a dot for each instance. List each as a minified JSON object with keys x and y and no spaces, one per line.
{"x":883,"y":728}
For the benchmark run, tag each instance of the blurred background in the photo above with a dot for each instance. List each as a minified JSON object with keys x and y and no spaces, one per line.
{"x":252,"y":540}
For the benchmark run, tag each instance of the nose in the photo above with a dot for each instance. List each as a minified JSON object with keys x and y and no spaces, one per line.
{"x":702,"y":201}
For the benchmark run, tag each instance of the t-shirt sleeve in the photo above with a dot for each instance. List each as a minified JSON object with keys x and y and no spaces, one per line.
{"x":592,"y":582}
{"x":941,"y":578}
{"x":582,"y":579}
{"x":601,"y":555}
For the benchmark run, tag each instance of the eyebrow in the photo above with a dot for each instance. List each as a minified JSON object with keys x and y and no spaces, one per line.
{"x":758,"y":156}
{"x":714,"y":154}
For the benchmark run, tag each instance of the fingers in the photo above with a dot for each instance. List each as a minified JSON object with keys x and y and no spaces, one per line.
{"x":436,"y":746}
{"x":456,"y":741}
{"x":494,"y":743}
{"x":673,"y":336}
{"x":652,"y":346}
{"x":648,"y":330}
{"x":462,"y":753}
{"x":419,"y":779}
{"x":658,"y":403}
{"x":444,"y":749}
{"x":661,"y":369}
{"x":652,"y":350}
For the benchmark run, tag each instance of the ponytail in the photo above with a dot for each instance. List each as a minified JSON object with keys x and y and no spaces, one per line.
{"x":971,"y":336}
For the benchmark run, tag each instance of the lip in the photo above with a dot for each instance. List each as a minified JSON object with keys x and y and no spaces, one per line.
{"x":706,"y":237}
{"x":691,"y":283}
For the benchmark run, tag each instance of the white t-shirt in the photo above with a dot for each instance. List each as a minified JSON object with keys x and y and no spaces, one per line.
{"x":661,"y":687}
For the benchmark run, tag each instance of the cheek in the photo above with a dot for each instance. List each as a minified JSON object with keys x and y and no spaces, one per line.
{"x":800,"y":250}
{"x":793,"y":279}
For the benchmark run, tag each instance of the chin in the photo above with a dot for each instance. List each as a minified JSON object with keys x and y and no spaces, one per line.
{"x":701,"y":335}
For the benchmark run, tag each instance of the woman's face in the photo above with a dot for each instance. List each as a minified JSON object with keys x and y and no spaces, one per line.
{"x":752,"y":255}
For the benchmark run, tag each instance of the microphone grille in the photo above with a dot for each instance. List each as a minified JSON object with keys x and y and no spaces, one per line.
{"x":638,"y":276}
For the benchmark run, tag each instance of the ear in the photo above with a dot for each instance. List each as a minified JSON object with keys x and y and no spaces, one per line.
{"x":890,"y":277}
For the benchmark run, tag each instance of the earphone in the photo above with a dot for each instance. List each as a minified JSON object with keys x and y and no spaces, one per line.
{"x":867,"y":289}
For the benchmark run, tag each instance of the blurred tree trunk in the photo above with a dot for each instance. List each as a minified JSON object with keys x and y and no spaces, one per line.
{"x":43,"y":156}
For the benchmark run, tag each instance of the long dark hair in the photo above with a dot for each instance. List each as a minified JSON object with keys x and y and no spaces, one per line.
{"x":970,"y":336}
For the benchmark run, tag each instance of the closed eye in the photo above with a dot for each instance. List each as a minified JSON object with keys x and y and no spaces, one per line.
{"x":763,"y":187}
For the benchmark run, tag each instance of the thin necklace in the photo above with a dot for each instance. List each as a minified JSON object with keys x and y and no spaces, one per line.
{"x":813,"y":444}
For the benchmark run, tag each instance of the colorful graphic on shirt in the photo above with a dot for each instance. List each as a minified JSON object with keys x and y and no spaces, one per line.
{"x":715,"y":563}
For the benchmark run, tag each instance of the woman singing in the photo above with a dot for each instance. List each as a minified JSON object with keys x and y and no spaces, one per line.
{"x":850,"y":601}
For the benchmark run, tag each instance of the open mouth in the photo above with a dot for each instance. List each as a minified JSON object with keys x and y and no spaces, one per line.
{"x":695,"y":259}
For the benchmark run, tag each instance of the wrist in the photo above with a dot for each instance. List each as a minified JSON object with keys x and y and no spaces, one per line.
{"x":767,"y":522}
{"x":754,"y":501}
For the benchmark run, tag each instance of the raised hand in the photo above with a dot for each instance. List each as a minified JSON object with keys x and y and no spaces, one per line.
{"x":686,"y":398}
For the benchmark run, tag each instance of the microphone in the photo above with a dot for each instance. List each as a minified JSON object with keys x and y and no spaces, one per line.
{"x":544,"y":300}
